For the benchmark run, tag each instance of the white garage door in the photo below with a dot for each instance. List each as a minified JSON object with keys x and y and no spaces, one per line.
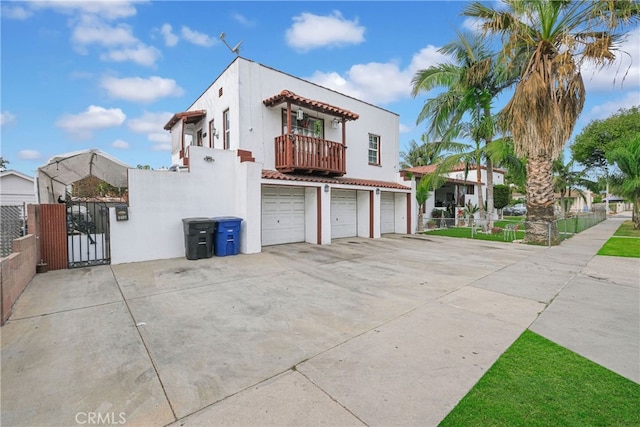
{"x":387,"y":212}
{"x":344,"y":213}
{"x":282,"y":215}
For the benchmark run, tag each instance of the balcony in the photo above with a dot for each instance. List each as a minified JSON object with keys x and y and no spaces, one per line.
{"x":307,"y":154}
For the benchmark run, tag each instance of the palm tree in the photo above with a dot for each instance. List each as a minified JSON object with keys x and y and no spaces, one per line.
{"x":551,"y":39}
{"x":428,"y":153}
{"x":566,"y":180}
{"x":627,"y":159}
{"x":427,"y":184}
{"x":471,"y":85}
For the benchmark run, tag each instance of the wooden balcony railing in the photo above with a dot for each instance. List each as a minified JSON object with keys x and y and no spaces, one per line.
{"x":306,"y":154}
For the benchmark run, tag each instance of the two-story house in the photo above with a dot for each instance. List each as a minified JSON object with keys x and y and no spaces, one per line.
{"x":296,"y":161}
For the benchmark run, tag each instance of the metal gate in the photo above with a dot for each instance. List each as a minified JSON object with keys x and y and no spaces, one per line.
{"x":88,"y":234}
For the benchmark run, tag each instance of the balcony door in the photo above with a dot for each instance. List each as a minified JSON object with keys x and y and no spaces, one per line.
{"x":307,"y":126}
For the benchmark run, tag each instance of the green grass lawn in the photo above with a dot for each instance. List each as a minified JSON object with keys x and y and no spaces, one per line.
{"x":625,"y":242}
{"x":621,"y":246}
{"x":626,"y":229}
{"x":465,"y":232}
{"x":538,"y":383}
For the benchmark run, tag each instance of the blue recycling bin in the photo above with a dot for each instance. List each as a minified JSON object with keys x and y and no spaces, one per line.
{"x":227,"y":235}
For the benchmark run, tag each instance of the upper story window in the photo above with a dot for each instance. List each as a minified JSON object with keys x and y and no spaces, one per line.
{"x":226,"y":130}
{"x":374,"y":149}
{"x":308,"y":126}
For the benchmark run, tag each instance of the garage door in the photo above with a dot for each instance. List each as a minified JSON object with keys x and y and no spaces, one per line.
{"x":387,"y":212}
{"x":344,"y":213}
{"x":282,"y":215}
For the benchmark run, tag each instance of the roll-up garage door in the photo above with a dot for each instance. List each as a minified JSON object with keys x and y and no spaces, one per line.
{"x":282,"y":215}
{"x":387,"y":212}
{"x":344,"y":213}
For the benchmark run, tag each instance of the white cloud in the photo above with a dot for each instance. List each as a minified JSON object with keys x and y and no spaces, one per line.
{"x":241,"y":19}
{"x":15,"y":12}
{"x":152,"y":124}
{"x":196,"y":37}
{"x":137,"y":89}
{"x":111,"y":9}
{"x":379,"y":83}
{"x":405,"y":128}
{"x":142,"y":55}
{"x":623,"y":73}
{"x":92,"y":30}
{"x":311,"y":31}
{"x":120,"y":144}
{"x":170,"y":39}
{"x":472,"y":24}
{"x":7,"y":118}
{"x":162,"y":147}
{"x":122,"y":45}
{"x":164,"y":137}
{"x":82,"y":125}
{"x":606,"y":109}
{"x":29,"y":155}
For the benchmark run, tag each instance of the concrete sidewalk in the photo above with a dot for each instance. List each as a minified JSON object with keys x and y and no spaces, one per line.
{"x":392,"y":331}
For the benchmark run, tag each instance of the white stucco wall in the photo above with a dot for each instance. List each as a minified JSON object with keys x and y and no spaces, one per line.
{"x":245,"y":84}
{"x":159,"y":200}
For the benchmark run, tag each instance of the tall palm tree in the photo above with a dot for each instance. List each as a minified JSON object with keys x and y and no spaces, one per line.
{"x":427,"y":153}
{"x":627,"y":159}
{"x":552,"y":39}
{"x":471,"y":84}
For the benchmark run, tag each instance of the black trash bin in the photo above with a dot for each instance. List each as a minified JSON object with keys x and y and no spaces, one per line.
{"x":198,"y":237}
{"x":227,"y":235}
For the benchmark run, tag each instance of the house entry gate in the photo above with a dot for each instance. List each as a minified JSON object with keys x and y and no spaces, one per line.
{"x":88,"y":234}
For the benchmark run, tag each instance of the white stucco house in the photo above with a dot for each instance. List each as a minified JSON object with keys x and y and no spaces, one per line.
{"x":16,"y":188}
{"x":459,"y":188}
{"x":297,"y":162}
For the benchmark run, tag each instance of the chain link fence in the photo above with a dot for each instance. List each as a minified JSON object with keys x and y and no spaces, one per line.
{"x":13,"y":224}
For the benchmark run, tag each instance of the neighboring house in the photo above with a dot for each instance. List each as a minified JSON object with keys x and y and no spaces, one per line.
{"x":16,"y":188}
{"x":16,"y":191}
{"x":458,"y":188}
{"x":296,"y":161}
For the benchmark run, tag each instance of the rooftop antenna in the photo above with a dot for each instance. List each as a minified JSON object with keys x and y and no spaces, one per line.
{"x":235,"y":49}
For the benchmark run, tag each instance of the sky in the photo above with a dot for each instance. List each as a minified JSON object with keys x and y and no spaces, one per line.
{"x":88,"y":74}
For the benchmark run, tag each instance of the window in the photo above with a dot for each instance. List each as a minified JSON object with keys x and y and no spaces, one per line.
{"x":199,"y":138}
{"x":471,"y":189}
{"x":308,"y":126}
{"x":374,"y":149}
{"x":226,"y":130}
{"x":212,"y":131}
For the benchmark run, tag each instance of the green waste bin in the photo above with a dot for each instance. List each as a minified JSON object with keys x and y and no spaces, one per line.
{"x":198,"y":237}
{"x":227,"y":235}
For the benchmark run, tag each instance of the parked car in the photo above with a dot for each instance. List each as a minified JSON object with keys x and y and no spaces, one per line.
{"x":515,"y":210}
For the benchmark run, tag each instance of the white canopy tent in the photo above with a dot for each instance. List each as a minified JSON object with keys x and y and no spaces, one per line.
{"x":65,"y":169}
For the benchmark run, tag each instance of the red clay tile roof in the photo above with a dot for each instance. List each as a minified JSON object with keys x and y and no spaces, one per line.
{"x":269,"y":174}
{"x":189,"y":116}
{"x":322,"y":107}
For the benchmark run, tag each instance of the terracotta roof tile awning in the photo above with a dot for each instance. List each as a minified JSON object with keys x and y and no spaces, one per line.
{"x":288,"y":96}
{"x":269,"y":174}
{"x":187,"y":116}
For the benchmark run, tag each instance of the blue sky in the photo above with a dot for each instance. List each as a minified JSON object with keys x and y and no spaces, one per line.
{"x":108,"y":75}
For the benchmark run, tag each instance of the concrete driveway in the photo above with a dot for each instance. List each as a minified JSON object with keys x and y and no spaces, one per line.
{"x":377,"y":332}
